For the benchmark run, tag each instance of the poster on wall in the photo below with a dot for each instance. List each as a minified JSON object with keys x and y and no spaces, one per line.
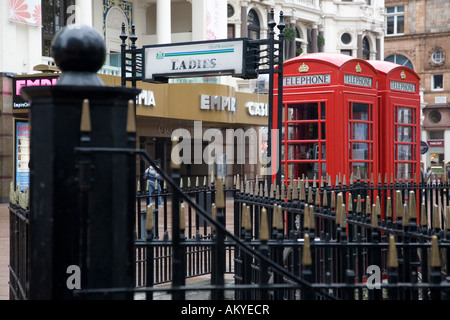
{"x":22,"y":154}
{"x":26,"y":11}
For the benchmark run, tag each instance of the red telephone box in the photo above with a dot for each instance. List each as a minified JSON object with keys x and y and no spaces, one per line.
{"x":398,"y":91}
{"x":330,"y":117}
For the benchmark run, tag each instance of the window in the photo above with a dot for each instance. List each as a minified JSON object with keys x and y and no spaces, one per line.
{"x":437,"y":56}
{"x":366,"y":49}
{"x":395,"y":20}
{"x":230,"y":11}
{"x":304,"y":146}
{"x":346,"y":38}
{"x":405,"y":141}
{"x":55,"y":15}
{"x":253,"y":25}
{"x":399,"y":59}
{"x":230,"y":29}
{"x":436,"y":135}
{"x":346,"y":51}
{"x":360,"y":131}
{"x":435,"y":116}
{"x":437,"y":82}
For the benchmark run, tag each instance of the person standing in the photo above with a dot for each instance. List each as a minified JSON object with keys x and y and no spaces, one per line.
{"x":153,"y":179}
{"x":431,"y":178}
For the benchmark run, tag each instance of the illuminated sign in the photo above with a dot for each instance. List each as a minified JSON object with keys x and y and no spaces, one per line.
{"x":307,"y":80}
{"x":22,"y":154}
{"x":19,"y":83}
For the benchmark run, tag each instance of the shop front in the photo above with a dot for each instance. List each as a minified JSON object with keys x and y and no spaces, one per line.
{"x":218,"y":128}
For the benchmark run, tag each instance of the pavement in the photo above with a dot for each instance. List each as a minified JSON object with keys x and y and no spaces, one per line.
{"x":4,"y":257}
{"x":4,"y":251}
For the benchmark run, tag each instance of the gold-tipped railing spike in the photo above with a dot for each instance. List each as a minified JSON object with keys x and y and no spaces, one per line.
{"x":213,"y":215}
{"x":350,"y":202}
{"x":343,"y":221}
{"x":412,"y":205}
{"x":277,"y":193}
{"x":282,"y":192}
{"x":398,"y":204}
{"x":295,"y":190}
{"x":306,"y":217}
{"x":205,"y":181}
{"x":436,"y":220}
{"x":306,"y":254}
{"x":85,"y":124}
{"x":176,"y":161}
{"x":272,"y":191}
{"x":197,"y":182}
{"x":243,"y":216}
{"x":392,"y":259}
{"x":405,"y":220}
{"x":325,"y":199}
{"x":266,"y":189}
{"x":220,"y":201}
{"x":423,"y":214}
{"x":351,"y":180}
{"x":213,"y":179}
{"x":310,"y":196}
{"x":447,"y":218}
{"x":339,"y":208}
{"x":242,"y":187}
{"x":275,"y":217}
{"x":138,"y":186}
{"x":131,"y":117}
{"x":435,"y":260}
{"x":280,"y":218}
{"x":264,"y":227}
{"x":289,"y":192}
{"x":312,"y":221}
{"x":368,"y":206}
{"x":302,"y":190}
{"x":165,"y":185}
{"x":248,"y":220}
{"x":251,"y":189}
{"x":388,"y":208}
{"x":317,"y":198}
{"x":358,"y":173}
{"x":374,"y":216}
{"x":189,"y":182}
{"x":358,"y":204}
{"x":149,"y":223}
{"x":182,"y":217}
{"x":181,"y":183}
{"x":333,"y":200}
{"x":256,"y":187}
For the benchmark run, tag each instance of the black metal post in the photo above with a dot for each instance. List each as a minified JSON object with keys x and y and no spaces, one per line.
{"x":281,"y":26}
{"x":63,"y":183}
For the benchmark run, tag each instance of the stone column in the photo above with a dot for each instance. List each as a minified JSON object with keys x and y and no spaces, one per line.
{"x":360,"y":48}
{"x":85,"y":12}
{"x":379,"y":53}
{"x":292,"y":46}
{"x":314,"y":33}
{"x":244,"y":29}
{"x":163,"y":22}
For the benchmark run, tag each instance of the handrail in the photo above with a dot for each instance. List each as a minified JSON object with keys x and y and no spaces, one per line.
{"x":203,"y":213}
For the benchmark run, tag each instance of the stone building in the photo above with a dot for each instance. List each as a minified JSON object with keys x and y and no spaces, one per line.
{"x":28,"y":27}
{"x":418,"y":36}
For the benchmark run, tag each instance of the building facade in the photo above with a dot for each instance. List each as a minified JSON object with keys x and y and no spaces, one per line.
{"x":29,"y":26}
{"x":418,"y":36}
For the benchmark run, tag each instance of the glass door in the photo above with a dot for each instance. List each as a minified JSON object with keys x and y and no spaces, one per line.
{"x":304,"y":140}
{"x":361,"y":145}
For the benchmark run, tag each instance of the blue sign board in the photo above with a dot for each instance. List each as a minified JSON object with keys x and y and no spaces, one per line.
{"x":423,"y":147}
